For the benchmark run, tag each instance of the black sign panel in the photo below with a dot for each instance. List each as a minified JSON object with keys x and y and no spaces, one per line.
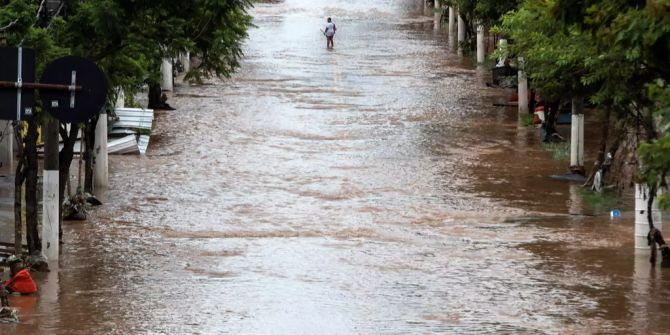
{"x":74,"y":106}
{"x":10,"y":107}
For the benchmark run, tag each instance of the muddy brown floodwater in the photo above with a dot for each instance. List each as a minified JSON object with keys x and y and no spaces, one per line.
{"x":367,"y":189}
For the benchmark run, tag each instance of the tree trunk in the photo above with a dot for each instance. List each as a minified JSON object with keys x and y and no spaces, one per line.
{"x":624,"y":163}
{"x":65,"y":159}
{"x":19,"y":178}
{"x":549,"y":125}
{"x":32,"y":234}
{"x":602,"y":153}
{"x":155,"y":95}
{"x":89,"y":155}
{"x":4,"y":302}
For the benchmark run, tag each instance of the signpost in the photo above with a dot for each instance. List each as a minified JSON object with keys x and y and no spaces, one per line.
{"x":18,"y":66}
{"x":18,"y":74}
{"x":72,"y":89}
{"x":79,"y":92}
{"x":84,"y":98}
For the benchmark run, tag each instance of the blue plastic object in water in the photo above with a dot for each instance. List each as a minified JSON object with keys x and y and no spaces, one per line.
{"x":615,"y":213}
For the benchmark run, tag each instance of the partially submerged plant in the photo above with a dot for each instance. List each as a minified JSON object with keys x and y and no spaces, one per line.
{"x":74,"y":207}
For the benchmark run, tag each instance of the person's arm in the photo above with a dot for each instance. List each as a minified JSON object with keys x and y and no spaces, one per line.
{"x":334,"y":27}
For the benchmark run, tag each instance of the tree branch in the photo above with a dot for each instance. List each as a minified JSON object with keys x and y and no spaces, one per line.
{"x":9,"y":25}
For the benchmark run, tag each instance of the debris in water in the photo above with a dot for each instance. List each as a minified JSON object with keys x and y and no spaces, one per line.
{"x":8,"y":315}
{"x":615,"y":213}
{"x":91,"y":199}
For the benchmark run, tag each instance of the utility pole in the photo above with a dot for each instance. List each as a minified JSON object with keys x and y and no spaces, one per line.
{"x":481,"y":46}
{"x":577,"y":137}
{"x":101,"y":168}
{"x":50,"y":205}
{"x":461,"y":34}
{"x":51,"y":216}
{"x":166,"y":71}
{"x":185,"y":59}
{"x":437,"y":15}
{"x":452,"y":21}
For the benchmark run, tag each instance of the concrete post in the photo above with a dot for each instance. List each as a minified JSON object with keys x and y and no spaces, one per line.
{"x":481,"y":45}
{"x":120,"y":99}
{"x":185,"y":60}
{"x":577,"y":137}
{"x":502,"y":46}
{"x":437,"y":15}
{"x":50,"y":205}
{"x":6,"y":146}
{"x":101,"y":168}
{"x":166,"y":72}
{"x":452,"y":21}
{"x":523,"y":89}
{"x":461,"y":34}
{"x":641,"y":222}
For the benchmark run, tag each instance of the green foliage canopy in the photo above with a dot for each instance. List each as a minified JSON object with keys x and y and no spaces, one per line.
{"x":617,"y":52}
{"x":129,"y":38}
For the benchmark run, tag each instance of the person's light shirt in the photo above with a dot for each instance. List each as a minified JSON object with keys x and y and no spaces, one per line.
{"x":330,"y":29}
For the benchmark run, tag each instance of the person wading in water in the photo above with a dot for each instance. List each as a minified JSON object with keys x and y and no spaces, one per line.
{"x":330,"y":32}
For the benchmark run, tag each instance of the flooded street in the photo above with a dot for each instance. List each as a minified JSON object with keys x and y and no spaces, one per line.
{"x":368,"y":189}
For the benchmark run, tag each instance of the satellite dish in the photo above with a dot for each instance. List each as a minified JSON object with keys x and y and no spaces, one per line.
{"x":87,"y":94}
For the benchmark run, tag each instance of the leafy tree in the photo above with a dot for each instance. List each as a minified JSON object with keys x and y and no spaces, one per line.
{"x":633,"y":67}
{"x":617,"y":52}
{"x":557,"y":54}
{"x":22,"y":26}
{"x":127,"y":39}
{"x":560,"y":58}
{"x":485,"y":12}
